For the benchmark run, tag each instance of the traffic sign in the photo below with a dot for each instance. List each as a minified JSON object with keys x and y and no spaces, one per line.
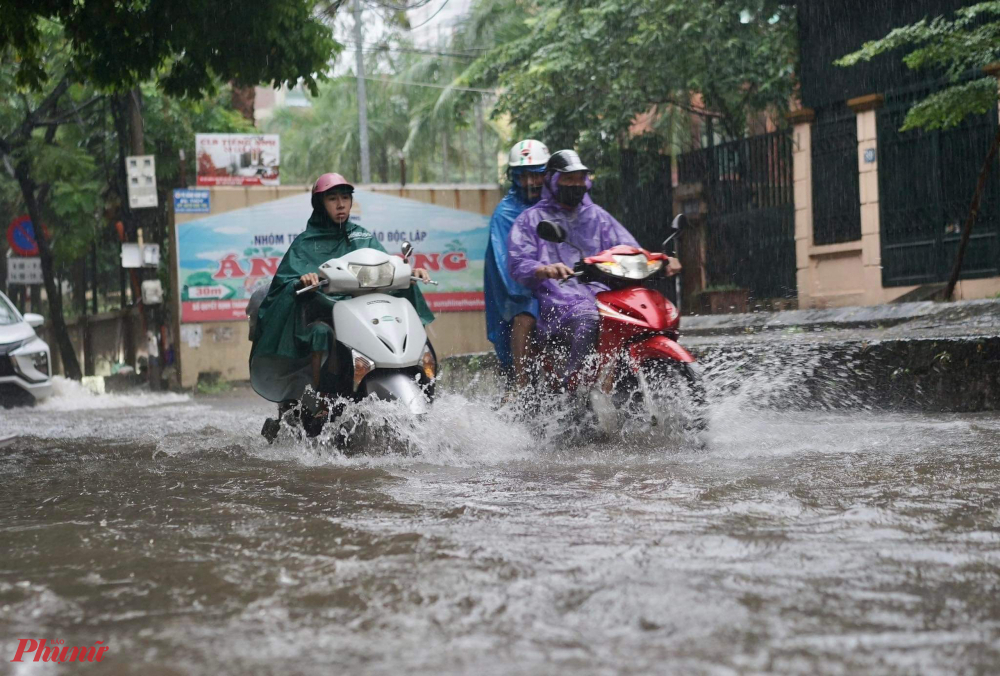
{"x":24,"y":271}
{"x":21,"y":236}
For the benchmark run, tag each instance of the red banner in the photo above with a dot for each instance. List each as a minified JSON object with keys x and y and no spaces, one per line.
{"x":468,"y":301}
{"x":213,"y":310}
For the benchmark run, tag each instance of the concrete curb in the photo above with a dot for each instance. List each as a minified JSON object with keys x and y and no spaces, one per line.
{"x":966,"y":317}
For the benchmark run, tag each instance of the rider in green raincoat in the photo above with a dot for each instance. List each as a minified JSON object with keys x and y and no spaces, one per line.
{"x":290,"y":342}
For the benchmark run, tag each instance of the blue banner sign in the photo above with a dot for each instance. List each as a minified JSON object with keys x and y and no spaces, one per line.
{"x":192,"y":201}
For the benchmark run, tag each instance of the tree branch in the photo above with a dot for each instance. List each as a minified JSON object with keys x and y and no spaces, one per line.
{"x":61,"y":117}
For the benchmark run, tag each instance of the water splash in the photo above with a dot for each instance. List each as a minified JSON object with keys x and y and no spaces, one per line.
{"x":70,"y":395}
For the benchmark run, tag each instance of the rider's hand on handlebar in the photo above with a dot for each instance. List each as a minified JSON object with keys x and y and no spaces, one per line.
{"x":308,"y":279}
{"x":421,"y":274}
{"x":673,"y":266}
{"x":554,"y":271}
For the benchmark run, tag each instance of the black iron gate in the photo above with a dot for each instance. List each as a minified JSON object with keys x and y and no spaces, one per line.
{"x":836,"y":197}
{"x":926,"y":181}
{"x":750,"y":233}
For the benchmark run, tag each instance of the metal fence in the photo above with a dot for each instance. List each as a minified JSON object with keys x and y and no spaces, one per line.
{"x":835,"y":191}
{"x":926,"y":182}
{"x":750,"y":232}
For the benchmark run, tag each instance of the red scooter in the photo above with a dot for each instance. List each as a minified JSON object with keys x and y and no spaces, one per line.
{"x":639,"y":362}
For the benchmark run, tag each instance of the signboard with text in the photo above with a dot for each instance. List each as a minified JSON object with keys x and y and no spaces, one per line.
{"x":222,"y":259}
{"x":237,"y":159}
{"x":24,"y":271}
{"x":192,"y":201}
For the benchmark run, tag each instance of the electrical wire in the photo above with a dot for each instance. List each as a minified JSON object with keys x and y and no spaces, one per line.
{"x":431,"y":17}
{"x":398,"y":8}
{"x":374,"y":49}
{"x":429,"y":84}
{"x":473,"y":52}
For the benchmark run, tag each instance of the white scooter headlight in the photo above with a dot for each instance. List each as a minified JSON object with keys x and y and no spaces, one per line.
{"x":372,"y":276}
{"x":634,"y":266}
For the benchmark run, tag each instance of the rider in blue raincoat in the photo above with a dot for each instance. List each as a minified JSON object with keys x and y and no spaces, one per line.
{"x":511,"y":310}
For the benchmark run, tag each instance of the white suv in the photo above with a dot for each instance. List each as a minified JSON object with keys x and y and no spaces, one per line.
{"x":25,"y":363}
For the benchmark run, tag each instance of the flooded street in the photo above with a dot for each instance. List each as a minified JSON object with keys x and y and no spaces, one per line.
{"x":786,"y":542}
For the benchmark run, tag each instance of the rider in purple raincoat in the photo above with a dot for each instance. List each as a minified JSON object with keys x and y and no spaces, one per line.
{"x":567,"y":311}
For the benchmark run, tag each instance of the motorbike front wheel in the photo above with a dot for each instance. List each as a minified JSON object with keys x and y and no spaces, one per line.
{"x":663,"y":386}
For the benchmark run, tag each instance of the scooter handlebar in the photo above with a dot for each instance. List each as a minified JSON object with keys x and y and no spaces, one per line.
{"x":311,"y":287}
{"x":575,"y":274}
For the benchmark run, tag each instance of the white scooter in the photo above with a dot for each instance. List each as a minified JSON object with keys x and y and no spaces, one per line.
{"x":381,"y":348}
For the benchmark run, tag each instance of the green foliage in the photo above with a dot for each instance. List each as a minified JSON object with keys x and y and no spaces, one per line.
{"x":403,"y":120}
{"x":189,"y":44}
{"x":952,"y":48}
{"x":589,"y":67}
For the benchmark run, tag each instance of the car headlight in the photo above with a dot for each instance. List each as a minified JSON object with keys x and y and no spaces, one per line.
{"x":634,"y":266}
{"x":372,"y":276}
{"x":428,"y":362}
{"x":40,"y":360}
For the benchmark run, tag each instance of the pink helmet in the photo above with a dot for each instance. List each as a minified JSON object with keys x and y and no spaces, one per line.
{"x":328,"y":182}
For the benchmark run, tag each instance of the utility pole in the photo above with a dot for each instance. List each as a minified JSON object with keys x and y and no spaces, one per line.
{"x":150,"y":315}
{"x":366,"y":170}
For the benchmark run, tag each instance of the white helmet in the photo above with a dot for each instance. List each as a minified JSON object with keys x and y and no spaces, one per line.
{"x":528,"y":153}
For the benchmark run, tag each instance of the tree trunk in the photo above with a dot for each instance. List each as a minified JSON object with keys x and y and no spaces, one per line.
{"x":383,"y":163}
{"x":242,"y":99}
{"x":3,"y":269}
{"x":71,"y":366}
{"x":956,"y":271}
{"x":483,"y":164}
{"x":461,"y":157}
{"x":444,"y":157}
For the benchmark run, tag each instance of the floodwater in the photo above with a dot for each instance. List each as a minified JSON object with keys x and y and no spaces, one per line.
{"x":779,"y":541}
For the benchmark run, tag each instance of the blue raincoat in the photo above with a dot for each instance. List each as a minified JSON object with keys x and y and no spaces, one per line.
{"x":505,"y":298}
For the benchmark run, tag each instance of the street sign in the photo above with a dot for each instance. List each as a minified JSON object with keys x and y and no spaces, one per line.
{"x":141,"y":170}
{"x":192,"y":201}
{"x":21,"y":236}
{"x":24,"y":271}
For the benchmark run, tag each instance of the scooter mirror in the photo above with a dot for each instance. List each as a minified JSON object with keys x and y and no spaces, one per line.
{"x":551,"y":232}
{"x":680,"y":222}
{"x":407,"y":250}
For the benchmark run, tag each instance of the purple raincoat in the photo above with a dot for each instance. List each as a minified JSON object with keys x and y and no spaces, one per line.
{"x":588,"y":226}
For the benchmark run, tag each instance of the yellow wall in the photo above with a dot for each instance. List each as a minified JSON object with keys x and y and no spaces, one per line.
{"x":225,"y":346}
{"x":850,"y":273}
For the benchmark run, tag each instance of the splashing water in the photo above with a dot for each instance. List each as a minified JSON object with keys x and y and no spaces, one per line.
{"x":70,"y":395}
{"x":795,"y":535}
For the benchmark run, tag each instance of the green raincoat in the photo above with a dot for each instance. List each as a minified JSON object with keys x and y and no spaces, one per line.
{"x":281,"y":356}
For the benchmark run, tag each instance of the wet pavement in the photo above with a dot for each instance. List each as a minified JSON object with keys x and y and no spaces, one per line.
{"x":834,"y":542}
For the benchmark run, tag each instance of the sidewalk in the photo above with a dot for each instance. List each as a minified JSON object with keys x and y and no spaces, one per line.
{"x":978,"y":318}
